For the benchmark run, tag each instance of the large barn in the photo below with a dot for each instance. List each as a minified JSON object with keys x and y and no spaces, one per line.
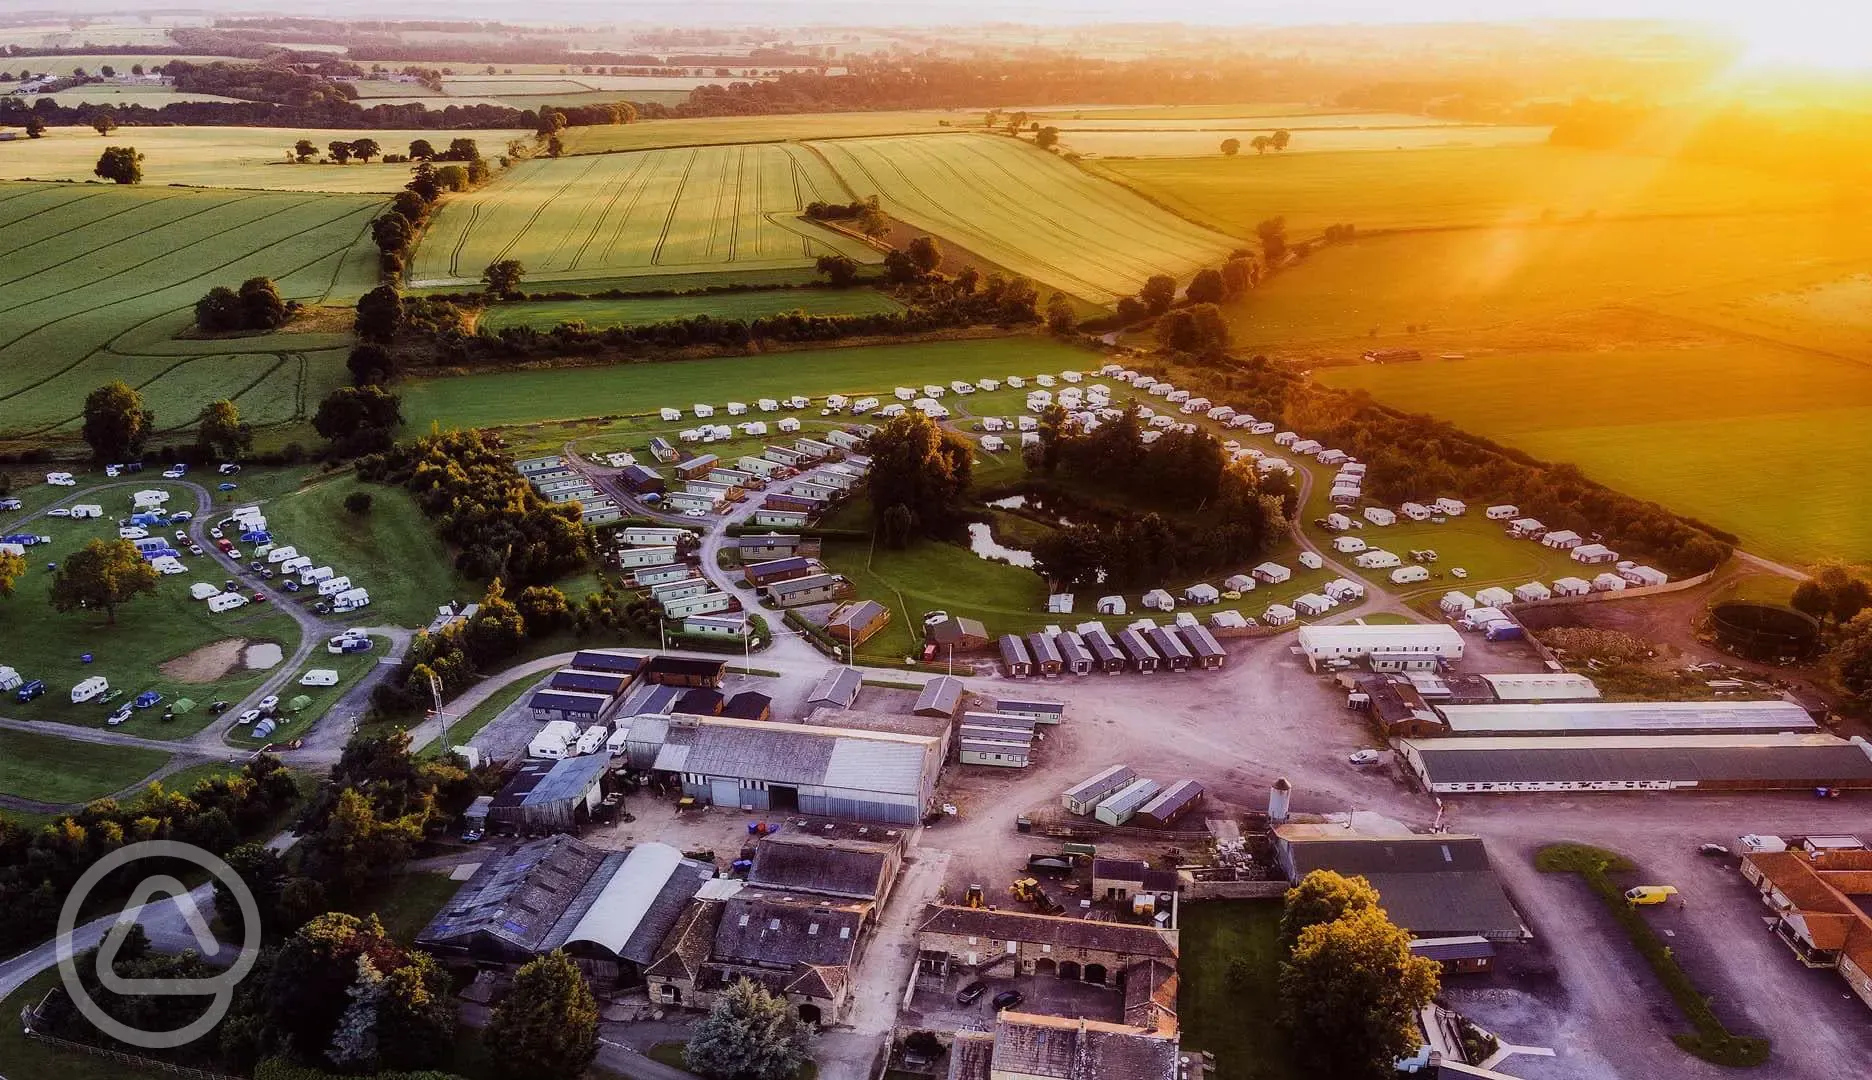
{"x":863,"y":775}
{"x":1638,"y":763}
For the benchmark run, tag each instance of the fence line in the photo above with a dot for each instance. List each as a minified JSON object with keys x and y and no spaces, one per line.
{"x":29,"y":1016}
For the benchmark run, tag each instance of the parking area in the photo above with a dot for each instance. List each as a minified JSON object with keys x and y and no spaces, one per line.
{"x":935,"y":1005}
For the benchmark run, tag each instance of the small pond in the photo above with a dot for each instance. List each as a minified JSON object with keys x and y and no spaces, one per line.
{"x":983,"y":543}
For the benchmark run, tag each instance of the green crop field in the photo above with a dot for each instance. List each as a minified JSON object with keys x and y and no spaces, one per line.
{"x":150,"y":97}
{"x":718,"y":130}
{"x":1026,"y":210}
{"x":48,"y":769}
{"x":701,"y":209}
{"x":519,"y":397}
{"x":1446,"y":187}
{"x":1132,"y":140}
{"x":227,"y":157}
{"x":97,"y":282}
{"x":547,"y":314}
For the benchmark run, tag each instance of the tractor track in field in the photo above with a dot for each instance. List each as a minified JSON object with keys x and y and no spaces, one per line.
{"x":474,"y":214}
{"x":623,"y":185}
{"x":631,"y":208}
{"x":551,"y":262}
{"x":131,"y":208}
{"x":656,"y":256}
{"x":101,"y":247}
{"x":51,"y":209}
{"x":534,"y":217}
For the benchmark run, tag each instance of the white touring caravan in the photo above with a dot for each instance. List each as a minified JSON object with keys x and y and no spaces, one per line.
{"x":226,"y":601}
{"x":90,"y":689}
{"x":350,"y":600}
{"x":334,"y":586}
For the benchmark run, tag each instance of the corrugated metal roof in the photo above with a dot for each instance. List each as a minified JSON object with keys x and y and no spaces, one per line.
{"x":1380,"y":636}
{"x":607,"y":660}
{"x":1614,"y":717}
{"x":1106,"y":779}
{"x":568,"y":779}
{"x":941,"y":694}
{"x":568,"y":701}
{"x":1793,"y":759}
{"x":618,"y":910}
{"x":1172,"y":799}
{"x":1131,"y":796}
{"x":873,"y":765}
{"x":839,"y":686}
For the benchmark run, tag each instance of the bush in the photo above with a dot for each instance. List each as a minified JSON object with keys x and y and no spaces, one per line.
{"x":358,"y":503}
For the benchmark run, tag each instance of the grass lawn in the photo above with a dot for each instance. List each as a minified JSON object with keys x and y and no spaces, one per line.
{"x":1471,"y":542}
{"x":296,"y":722}
{"x":28,"y":1059}
{"x":406,"y":902}
{"x":49,"y":769}
{"x":931,"y":575}
{"x":1235,"y":1023}
{"x":634,"y":388}
{"x":546,"y":314}
{"x":728,"y":129}
{"x":150,"y":632}
{"x":391,"y":551}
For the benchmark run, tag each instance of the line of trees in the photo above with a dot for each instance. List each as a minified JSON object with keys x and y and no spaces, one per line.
{"x":864,"y":214}
{"x":256,"y":306}
{"x":471,"y":647}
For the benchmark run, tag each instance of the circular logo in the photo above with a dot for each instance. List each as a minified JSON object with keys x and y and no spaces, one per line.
{"x":220,"y":987}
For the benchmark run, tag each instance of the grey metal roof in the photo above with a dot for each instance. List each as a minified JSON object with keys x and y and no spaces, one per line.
{"x":797,"y":755}
{"x":1029,"y":705}
{"x":1014,"y":651}
{"x":763,"y":570}
{"x":877,"y":765}
{"x":1071,"y":653}
{"x":1041,"y":645}
{"x":1614,"y":717}
{"x":1200,"y":641}
{"x":1433,"y":885}
{"x":1135,"y":646}
{"x":1172,"y":799}
{"x":802,"y":584}
{"x":941,"y":694}
{"x":998,"y":721}
{"x":589,"y":682}
{"x":1108,"y":779}
{"x":1167,"y":644}
{"x":519,"y":897}
{"x":569,"y":701}
{"x":839,"y":687}
{"x":607,"y":660}
{"x":1133,"y":795}
{"x":568,"y":779}
{"x":1103,"y":649}
{"x":1742,"y":758}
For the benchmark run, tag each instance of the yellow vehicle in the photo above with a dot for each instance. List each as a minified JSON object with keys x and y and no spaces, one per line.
{"x":1641,"y":895}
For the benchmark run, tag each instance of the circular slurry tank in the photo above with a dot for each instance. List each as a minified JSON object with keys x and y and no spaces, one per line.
{"x":1764,"y":631}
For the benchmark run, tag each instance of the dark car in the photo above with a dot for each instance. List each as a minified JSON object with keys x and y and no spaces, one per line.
{"x":1007,"y":999}
{"x":220,"y":707}
{"x":971,"y":993}
{"x":33,"y":689}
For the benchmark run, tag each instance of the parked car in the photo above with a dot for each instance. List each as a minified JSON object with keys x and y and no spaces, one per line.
{"x":248,"y":717}
{"x":181,"y":534}
{"x":259,"y":597}
{"x":10,"y":504}
{"x":228,"y":469}
{"x":226,"y":487}
{"x":695,"y":512}
{"x":33,"y":689}
{"x":1007,"y":999}
{"x":148,"y":699}
{"x":215,"y":532}
{"x":256,"y":566}
{"x":219,"y":707}
{"x":182,"y":515}
{"x":1366,"y":757}
{"x":1458,"y":572}
{"x":118,"y":717}
{"x":59,"y":511}
{"x":196,"y":549}
{"x":1712,"y":849}
{"x":291,"y":586}
{"x":971,"y":993}
{"x":230,"y":585}
{"x":473,"y":836}
{"x":269,"y":703}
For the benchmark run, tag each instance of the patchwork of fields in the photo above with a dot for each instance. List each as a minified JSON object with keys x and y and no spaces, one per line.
{"x":545,"y":315}
{"x":1026,"y":210}
{"x":700,"y":209}
{"x":96,"y":282}
{"x":1111,"y":140}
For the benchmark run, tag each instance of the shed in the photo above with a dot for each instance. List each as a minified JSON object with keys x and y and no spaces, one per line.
{"x":1170,"y":804}
{"x":1118,"y":807}
{"x":940,"y":696}
{"x":1014,"y":656}
{"x":1084,"y":796}
{"x":1046,"y":657}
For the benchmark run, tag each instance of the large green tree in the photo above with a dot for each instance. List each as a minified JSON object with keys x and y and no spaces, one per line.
{"x":115,"y":422}
{"x":102,"y":576}
{"x":922,"y":468}
{"x":1158,"y":293}
{"x":358,"y":419}
{"x":503,"y":278}
{"x":120,"y":165}
{"x":1350,"y":993}
{"x":1321,"y":897}
{"x":748,"y":1034}
{"x":379,"y":314}
{"x":221,"y":431}
{"x":546,"y":1028}
{"x":1852,"y":656}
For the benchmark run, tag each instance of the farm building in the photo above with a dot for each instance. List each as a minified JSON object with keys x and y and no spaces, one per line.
{"x":1571,"y":586}
{"x":608,"y":909}
{"x":1594,"y":553}
{"x":1351,"y":642}
{"x":1378,"y":515}
{"x":836,"y":688}
{"x":813,"y":589}
{"x":1137,"y":648}
{"x":1629,"y":718}
{"x":681,"y":671}
{"x":855,"y":622}
{"x":1494,"y":597}
{"x":577,"y":707}
{"x":1344,"y":590}
{"x":1455,"y":602}
{"x":1431,"y":884}
{"x":1014,"y":657}
{"x":1046,"y":656}
{"x":822,"y":771}
{"x":941,"y":696}
{"x":1118,"y":807}
{"x":1272,"y":573}
{"x":1821,"y":907}
{"x":1075,"y":658}
{"x":1502,"y":512}
{"x":1396,"y":705}
{"x":953,"y":632}
{"x":1639,"y":763}
{"x":1157,"y":600}
{"x":1642,"y":576}
{"x":1376,"y":559}
{"x":1175,"y":656}
{"x":550,"y":796}
{"x":1205,"y":651}
{"x":747,"y":705}
{"x":640,"y":479}
{"x":1171,"y":804}
{"x":1532,"y":591}
{"x":1084,"y":796}
{"x":1562,"y":540}
{"x":1279,"y":615}
{"x":1080,"y":950}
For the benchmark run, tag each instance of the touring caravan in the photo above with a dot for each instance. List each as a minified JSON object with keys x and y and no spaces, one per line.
{"x":282,"y":554}
{"x":319,"y":677}
{"x":90,"y":689}
{"x":314,"y":575}
{"x":350,"y":600}
{"x":334,"y":586}
{"x":226,"y":601}
{"x":296,"y":564}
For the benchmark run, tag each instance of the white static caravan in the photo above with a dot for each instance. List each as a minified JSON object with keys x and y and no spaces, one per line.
{"x":1493,"y":597}
{"x":334,"y":586}
{"x":1410,"y":575}
{"x":1376,"y":559}
{"x":702,"y":411}
{"x":1532,"y":591}
{"x":1348,"y":545}
{"x":993,"y":444}
{"x":1379,"y":515}
{"x":1279,"y":615}
{"x":1562,"y":540}
{"x":1201,"y":593}
{"x":1571,"y":586}
{"x":1609,"y":582}
{"x":1591,"y":554}
{"x":1415,"y":511}
{"x":1272,"y":573}
{"x":1344,"y":589}
{"x":226,"y":601}
{"x":1456,"y":602}
{"x":1644,"y":575}
{"x":669,"y":414}
{"x":1450,"y":507}
{"x":1502,"y":512}
{"x":90,"y":689}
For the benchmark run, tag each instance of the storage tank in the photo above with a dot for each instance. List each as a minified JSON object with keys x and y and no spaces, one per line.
{"x":1279,"y":798}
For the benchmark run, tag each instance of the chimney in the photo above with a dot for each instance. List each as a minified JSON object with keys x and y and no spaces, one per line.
{"x":1278,"y":799}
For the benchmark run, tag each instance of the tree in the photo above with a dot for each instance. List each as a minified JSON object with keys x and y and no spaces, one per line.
{"x":340,"y":150}
{"x":35,"y":126}
{"x":421,"y":150}
{"x":305,"y":150}
{"x":1321,"y":897}
{"x":1833,"y":592}
{"x":1241,"y":273}
{"x":1260,"y":143}
{"x":358,"y":503}
{"x":12,"y":568}
{"x":1273,"y":234}
{"x":391,"y":233}
{"x":546,"y":1028}
{"x":264,"y":873}
{"x":219,"y":310}
{"x":1852,"y":656}
{"x":108,"y":71}
{"x":120,"y":165}
{"x":926,"y":253}
{"x":555,"y":146}
{"x":424,"y":183}
{"x":262,"y":307}
{"x":1206,"y":287}
{"x":1158,"y":293}
{"x":749,"y":1034}
{"x":1280,"y":139}
{"x":103,"y":575}
{"x":503,"y":278}
{"x":105,"y":121}
{"x":358,"y":419}
{"x":371,"y":365}
{"x":551,"y":122}
{"x":410,"y":206}
{"x":463,"y":149}
{"x":1231,"y":147}
{"x":219,"y":430}
{"x":379,"y":314}
{"x":1198,"y":329}
{"x":1047,"y":138}
{"x":1060,"y":317}
{"x":365,"y":149}
{"x":921,"y":467}
{"x":1350,"y":994}
{"x":115,"y":422}
{"x":840,"y":270}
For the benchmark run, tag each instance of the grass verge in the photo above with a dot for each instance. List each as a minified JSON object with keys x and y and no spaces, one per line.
{"x":1232,"y":1016}
{"x":1711,"y":1041}
{"x":47,"y":768}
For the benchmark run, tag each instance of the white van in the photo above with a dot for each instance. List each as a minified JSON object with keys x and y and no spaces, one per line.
{"x":351,"y":600}
{"x":319,"y":677}
{"x":314,"y":575}
{"x":334,"y":586}
{"x":90,"y":689}
{"x":226,"y":601}
{"x":282,"y":554}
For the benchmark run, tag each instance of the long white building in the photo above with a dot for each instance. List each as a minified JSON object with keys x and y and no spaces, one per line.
{"x":1628,"y":718}
{"x":1425,"y":642}
{"x":1499,"y":766}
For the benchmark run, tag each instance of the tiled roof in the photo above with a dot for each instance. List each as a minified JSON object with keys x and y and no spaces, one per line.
{"x":853,"y":869}
{"x":1127,"y":940}
{"x":769,"y":930}
{"x":1061,"y":1048}
{"x":685,"y":948}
